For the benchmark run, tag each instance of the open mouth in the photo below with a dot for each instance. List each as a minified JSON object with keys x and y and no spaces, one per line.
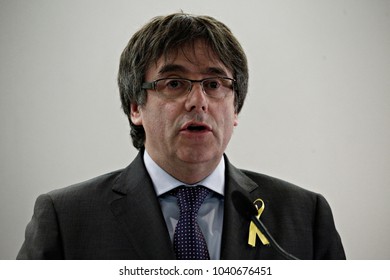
{"x":196,"y":128}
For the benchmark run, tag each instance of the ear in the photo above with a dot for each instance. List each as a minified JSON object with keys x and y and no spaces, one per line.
{"x":135,"y":114}
{"x":235,"y":121}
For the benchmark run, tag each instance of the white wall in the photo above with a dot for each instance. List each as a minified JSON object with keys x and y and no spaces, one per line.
{"x":317,"y":113}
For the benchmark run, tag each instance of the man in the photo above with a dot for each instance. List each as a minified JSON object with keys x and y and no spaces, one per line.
{"x":183,"y":81}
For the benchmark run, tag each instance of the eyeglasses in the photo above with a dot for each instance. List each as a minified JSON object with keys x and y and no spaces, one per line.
{"x":216,"y":87}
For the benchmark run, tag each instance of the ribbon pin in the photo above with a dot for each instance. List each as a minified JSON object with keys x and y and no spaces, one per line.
{"x":253,"y":230}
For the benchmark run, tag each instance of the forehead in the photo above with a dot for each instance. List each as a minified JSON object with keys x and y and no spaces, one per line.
{"x":192,"y":58}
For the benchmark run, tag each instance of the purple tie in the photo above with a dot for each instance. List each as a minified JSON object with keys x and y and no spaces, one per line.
{"x":188,"y":240}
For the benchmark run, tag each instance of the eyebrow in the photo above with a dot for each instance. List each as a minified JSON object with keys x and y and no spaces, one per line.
{"x":167,"y":68}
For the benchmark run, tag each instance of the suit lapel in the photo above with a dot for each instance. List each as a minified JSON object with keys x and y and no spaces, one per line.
{"x":139,"y":214}
{"x":235,"y":227}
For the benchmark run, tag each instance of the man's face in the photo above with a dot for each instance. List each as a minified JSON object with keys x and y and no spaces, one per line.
{"x":170,"y":140}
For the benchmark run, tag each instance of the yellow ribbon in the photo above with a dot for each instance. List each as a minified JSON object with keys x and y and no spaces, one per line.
{"x":253,"y":230}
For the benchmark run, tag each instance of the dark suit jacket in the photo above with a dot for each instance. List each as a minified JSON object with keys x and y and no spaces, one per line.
{"x":118,"y":216}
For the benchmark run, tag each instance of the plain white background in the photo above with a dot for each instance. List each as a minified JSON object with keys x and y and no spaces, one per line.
{"x":317,"y":112}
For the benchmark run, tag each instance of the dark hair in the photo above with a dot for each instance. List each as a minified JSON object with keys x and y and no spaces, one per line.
{"x":165,"y":34}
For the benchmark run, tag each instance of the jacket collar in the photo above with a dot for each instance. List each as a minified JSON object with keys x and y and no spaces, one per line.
{"x":235,"y":227}
{"x":139,"y":214}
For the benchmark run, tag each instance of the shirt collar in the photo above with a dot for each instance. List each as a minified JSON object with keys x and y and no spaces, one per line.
{"x":164,"y":182}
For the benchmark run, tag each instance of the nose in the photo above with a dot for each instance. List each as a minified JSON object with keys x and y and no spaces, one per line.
{"x":196,"y":99}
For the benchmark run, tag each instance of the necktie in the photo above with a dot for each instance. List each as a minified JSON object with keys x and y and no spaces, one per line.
{"x":188,"y":240}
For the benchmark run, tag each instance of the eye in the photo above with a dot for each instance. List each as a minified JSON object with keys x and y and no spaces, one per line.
{"x":211,"y":84}
{"x":174,"y":84}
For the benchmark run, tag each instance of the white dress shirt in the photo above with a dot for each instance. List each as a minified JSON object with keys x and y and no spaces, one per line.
{"x":210,"y":215}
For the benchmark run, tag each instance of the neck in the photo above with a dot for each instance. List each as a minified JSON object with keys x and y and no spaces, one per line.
{"x":187,"y":172}
{"x":191,"y":173}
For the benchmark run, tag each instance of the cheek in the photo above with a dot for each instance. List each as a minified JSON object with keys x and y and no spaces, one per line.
{"x":231,"y":116}
{"x":227,"y":120}
{"x":159,"y":118}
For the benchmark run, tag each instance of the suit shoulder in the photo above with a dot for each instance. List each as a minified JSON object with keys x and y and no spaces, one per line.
{"x":276,"y":185}
{"x":94,"y":186}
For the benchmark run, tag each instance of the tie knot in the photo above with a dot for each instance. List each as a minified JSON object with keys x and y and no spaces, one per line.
{"x":190,"y":198}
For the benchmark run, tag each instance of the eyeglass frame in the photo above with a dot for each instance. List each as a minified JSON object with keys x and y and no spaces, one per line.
{"x":152,"y":85}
